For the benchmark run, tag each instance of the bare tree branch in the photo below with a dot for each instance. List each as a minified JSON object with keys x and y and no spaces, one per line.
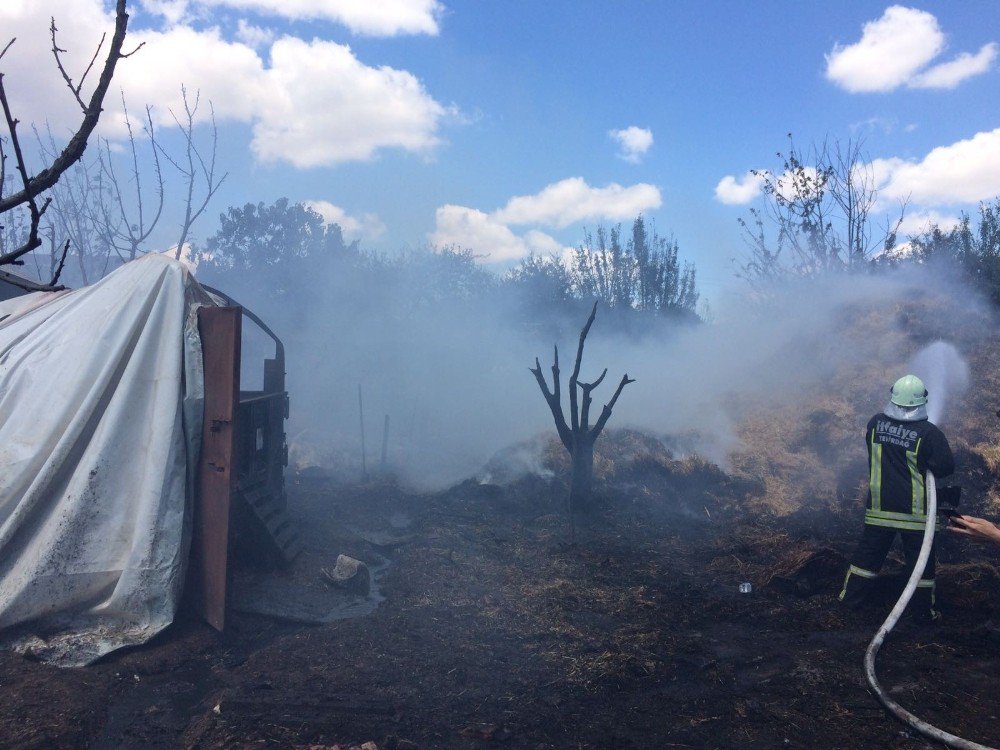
{"x":583,"y":338}
{"x":125,"y":234}
{"x":62,"y":263}
{"x":56,"y":49}
{"x":552,"y":399}
{"x":78,"y":143}
{"x":556,"y":386}
{"x":77,"y":208}
{"x":585,"y":408}
{"x":137,"y":48}
{"x":606,"y":411}
{"x":574,"y":378}
{"x":193,"y":171}
{"x":33,"y":240}
{"x":90,"y":65}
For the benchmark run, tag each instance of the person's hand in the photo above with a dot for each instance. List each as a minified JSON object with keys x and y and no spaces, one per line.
{"x":977,"y":529}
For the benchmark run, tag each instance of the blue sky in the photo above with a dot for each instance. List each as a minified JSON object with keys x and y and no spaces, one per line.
{"x":416,"y":121}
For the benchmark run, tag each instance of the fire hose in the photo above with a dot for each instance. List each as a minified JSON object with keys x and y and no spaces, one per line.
{"x":890,"y":705}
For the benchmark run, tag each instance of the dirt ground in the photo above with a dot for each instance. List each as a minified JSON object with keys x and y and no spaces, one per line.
{"x":496,"y":632}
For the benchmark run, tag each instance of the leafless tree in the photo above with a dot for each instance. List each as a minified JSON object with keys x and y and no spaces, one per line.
{"x":79,"y":212}
{"x":855,"y":192}
{"x":33,"y":186}
{"x":194,"y":168}
{"x":124,"y":232}
{"x":820,"y":206}
{"x":578,"y":437}
{"x":109,"y":210}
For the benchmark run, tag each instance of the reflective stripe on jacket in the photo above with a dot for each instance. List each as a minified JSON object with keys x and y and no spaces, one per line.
{"x":899,"y":455}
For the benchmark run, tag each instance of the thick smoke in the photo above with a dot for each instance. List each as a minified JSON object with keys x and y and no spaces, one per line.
{"x":792,"y":347}
{"x":453,"y":375}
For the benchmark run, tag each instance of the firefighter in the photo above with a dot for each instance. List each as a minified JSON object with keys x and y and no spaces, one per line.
{"x":902,"y":446}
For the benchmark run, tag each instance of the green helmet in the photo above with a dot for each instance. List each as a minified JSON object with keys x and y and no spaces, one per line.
{"x":909,"y":391}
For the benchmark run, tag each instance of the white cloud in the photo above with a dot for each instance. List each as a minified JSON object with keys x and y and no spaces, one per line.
{"x":323,"y":106}
{"x":368,"y":226}
{"x":920,"y":221}
{"x":967,"y":171}
{"x":229,"y":74}
{"x":633,"y":141}
{"x":315,"y":105}
{"x":948,"y":75}
{"x":487,"y":236}
{"x":478,"y":231}
{"x":893,"y":51}
{"x":308,"y":103}
{"x":172,"y":11}
{"x":557,"y":205}
{"x":738,"y":191}
{"x":253,"y":36}
{"x":543,"y":244}
{"x":881,"y":170}
{"x":572,"y":200}
{"x":798,"y":184}
{"x":364,"y":17}
{"x":884,"y":124}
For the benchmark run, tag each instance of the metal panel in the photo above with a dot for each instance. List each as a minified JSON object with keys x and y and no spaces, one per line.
{"x":220,"y":329}
{"x":274,"y":372}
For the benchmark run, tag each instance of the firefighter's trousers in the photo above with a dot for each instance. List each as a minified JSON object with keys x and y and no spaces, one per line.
{"x":868,"y":558}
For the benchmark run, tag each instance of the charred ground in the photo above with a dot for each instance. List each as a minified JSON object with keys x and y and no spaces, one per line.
{"x":497,"y":632}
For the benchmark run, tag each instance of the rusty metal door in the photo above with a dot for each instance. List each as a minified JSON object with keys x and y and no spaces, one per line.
{"x":220,"y":329}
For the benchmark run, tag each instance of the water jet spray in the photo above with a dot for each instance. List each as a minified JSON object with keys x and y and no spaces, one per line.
{"x":944,"y":372}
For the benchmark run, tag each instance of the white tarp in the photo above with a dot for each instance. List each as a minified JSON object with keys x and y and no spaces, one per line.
{"x":100,"y":423}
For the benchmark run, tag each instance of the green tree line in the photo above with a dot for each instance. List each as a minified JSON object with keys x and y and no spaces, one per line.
{"x":283,"y":250}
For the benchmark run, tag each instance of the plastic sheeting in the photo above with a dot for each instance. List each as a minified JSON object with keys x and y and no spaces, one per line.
{"x":100,"y":422}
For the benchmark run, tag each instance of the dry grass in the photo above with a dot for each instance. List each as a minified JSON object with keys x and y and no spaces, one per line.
{"x":828,"y":472}
{"x":990,"y":453}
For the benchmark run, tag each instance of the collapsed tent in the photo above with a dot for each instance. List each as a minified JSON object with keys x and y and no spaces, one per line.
{"x":100,"y":421}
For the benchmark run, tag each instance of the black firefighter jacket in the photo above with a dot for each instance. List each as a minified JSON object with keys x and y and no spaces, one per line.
{"x":899,"y":455}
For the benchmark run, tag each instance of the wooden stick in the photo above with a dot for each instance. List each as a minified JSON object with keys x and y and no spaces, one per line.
{"x":364,"y":459}
{"x":385,"y":445}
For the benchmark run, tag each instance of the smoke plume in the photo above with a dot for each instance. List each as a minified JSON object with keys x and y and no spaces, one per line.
{"x":452,"y":374}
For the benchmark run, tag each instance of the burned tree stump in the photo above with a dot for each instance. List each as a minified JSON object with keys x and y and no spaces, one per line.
{"x":578,"y":437}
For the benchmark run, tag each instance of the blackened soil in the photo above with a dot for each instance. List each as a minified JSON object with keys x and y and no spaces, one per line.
{"x":497,"y":632}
